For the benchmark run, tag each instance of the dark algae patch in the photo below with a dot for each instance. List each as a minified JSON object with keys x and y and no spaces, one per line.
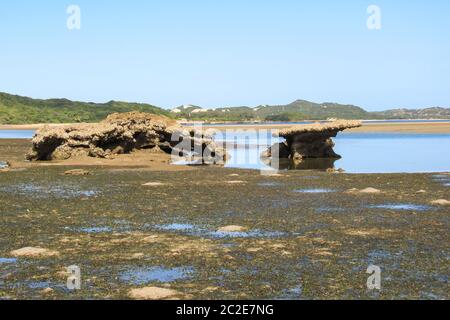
{"x":296,"y":245}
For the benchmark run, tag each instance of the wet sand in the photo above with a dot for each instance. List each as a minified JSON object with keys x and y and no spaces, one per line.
{"x":394,"y":127}
{"x":14,"y":150}
{"x":397,"y":127}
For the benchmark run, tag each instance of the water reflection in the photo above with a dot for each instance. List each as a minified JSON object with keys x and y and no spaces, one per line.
{"x":305,"y":164}
{"x":361,"y":153}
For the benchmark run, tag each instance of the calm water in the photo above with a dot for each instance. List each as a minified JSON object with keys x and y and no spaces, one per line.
{"x":16,"y":134}
{"x":361,"y":152}
{"x":387,"y":152}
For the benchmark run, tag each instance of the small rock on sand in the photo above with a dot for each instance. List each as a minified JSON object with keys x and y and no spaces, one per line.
{"x":441,"y":202}
{"x":369,"y":190}
{"x":235,"y":182}
{"x":153,"y":184}
{"x":333,"y":170}
{"x":254,"y":250}
{"x":152,"y":293}
{"x":422,"y":191}
{"x":34,"y":252}
{"x":47,"y":291}
{"x":232,"y":229}
{"x":77,"y":172}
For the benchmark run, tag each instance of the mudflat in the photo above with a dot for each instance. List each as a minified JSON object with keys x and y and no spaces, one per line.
{"x":217,"y":233}
{"x":392,"y":127}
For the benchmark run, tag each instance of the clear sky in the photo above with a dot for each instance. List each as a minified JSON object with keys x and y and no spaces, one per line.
{"x":229,"y":53}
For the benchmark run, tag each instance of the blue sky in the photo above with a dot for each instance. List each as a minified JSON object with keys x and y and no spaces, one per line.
{"x":229,"y":53}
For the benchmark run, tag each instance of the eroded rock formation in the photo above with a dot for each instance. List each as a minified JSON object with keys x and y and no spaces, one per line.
{"x":309,"y":141}
{"x":123,"y":133}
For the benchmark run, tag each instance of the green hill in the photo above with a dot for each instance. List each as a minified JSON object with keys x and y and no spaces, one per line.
{"x":305,"y":110}
{"x":295,"y":111}
{"x":427,"y":113}
{"x":23,"y":110}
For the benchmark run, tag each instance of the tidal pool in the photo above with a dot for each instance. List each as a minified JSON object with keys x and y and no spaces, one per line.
{"x":269,"y":184}
{"x":314,"y":190}
{"x":329,"y":209}
{"x":402,"y":206}
{"x":95,"y":229}
{"x":139,"y":276}
{"x":190,"y":229}
{"x":42,"y":191}
{"x":8,"y":260}
{"x":176,"y":227}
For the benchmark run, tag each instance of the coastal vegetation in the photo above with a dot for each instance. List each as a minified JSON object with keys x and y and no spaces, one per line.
{"x":16,"y":109}
{"x":23,"y":110}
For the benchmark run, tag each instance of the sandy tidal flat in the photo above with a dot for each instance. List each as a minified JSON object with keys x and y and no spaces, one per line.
{"x":396,"y":127}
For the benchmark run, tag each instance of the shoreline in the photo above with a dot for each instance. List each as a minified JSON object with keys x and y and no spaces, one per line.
{"x":388,"y":127}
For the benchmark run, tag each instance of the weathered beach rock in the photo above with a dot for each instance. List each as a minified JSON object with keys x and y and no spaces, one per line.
{"x":310,"y":141}
{"x":152,"y":293}
{"x":34,"y":252}
{"x":122,"y":133}
{"x":368,"y":190}
{"x":47,"y":291}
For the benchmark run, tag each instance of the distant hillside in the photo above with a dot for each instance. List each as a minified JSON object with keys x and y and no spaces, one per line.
{"x":297,"y":110}
{"x":428,"y":113}
{"x":304,"y":110}
{"x":22,"y":110}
